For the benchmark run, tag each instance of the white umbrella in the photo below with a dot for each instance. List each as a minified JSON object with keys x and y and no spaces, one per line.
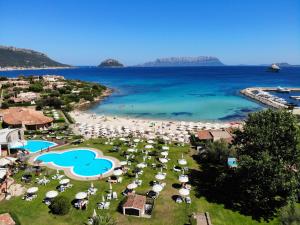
{"x":136,"y":140}
{"x":118,"y":172}
{"x":123,"y":163}
{"x":32,"y":190}
{"x":122,"y":139}
{"x":165,"y":148}
{"x":92,"y":185}
{"x":81,"y":195}
{"x":163,"y":160}
{"x":164,"y":153}
{"x":182,"y":162}
{"x":51,"y":194}
{"x":150,"y":142}
{"x":132,"y":186}
{"x":157,"y":188}
{"x":184,"y":192}
{"x":183,"y":178}
{"x":160,"y":176}
{"x":148,"y":146}
{"x":130,"y":150}
{"x":64,"y":181}
{"x":141,"y":165}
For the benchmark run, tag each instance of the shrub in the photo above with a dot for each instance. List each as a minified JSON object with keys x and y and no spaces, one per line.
{"x":60,"y":205}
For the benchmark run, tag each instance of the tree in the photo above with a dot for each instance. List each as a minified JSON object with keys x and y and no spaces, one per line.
{"x":105,"y":219}
{"x":217,"y":152}
{"x":269,"y":160}
{"x":60,"y":205}
{"x":290,"y":215}
{"x":36,"y":87}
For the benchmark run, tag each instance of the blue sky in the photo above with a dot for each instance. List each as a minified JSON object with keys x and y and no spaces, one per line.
{"x":84,"y":32}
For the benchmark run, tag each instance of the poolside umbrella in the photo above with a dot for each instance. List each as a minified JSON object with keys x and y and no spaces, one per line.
{"x":64,"y":181}
{"x":94,"y":214}
{"x":123,"y":163}
{"x":32,"y":190}
{"x":163,"y":160}
{"x":130,"y":150}
{"x":164,"y":153}
{"x":157,"y":188}
{"x":132,"y":186}
{"x":184,"y":192}
{"x":81,"y":195}
{"x":160,"y":176}
{"x":148,"y":146}
{"x":51,"y":194}
{"x":150,"y":141}
{"x":118,"y":172}
{"x":182,"y":162}
{"x":141,"y":165}
{"x":165,"y":148}
{"x":136,"y":140}
{"x":183,"y":178}
{"x":122,"y":139}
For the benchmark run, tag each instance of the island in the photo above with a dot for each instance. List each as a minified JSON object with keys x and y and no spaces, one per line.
{"x":184,"y":61}
{"x":12,"y":58}
{"x":111,"y":63}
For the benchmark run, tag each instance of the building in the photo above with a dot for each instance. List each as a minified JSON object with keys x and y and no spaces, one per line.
{"x":52,"y":78}
{"x":27,"y":118}
{"x":215,"y":135}
{"x":6,"y":219}
{"x":135,"y":205}
{"x":10,"y":138}
{"x":25,"y":97}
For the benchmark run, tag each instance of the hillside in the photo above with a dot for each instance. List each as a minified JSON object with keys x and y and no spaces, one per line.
{"x":110,"y":63}
{"x":185,"y":61}
{"x":19,"y":57}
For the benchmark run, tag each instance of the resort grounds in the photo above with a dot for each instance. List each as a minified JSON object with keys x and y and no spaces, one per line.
{"x":166,"y":210}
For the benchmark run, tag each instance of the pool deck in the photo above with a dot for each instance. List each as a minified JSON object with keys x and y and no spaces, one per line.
{"x":68,"y":171}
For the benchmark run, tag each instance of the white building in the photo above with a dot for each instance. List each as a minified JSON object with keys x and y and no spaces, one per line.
{"x":10,"y":138}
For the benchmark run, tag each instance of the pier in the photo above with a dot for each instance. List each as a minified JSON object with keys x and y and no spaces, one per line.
{"x":261,"y":95}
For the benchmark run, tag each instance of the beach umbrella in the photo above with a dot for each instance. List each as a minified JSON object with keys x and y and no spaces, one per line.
{"x":136,"y":140}
{"x":160,"y":176}
{"x":92,"y":185}
{"x":123,"y":163}
{"x":157,"y":188}
{"x":165,"y":148}
{"x":183,"y":178}
{"x":132,"y":186}
{"x":94,"y":214}
{"x":51,"y":194}
{"x":184,"y":192}
{"x":163,"y":160}
{"x":141,"y":165}
{"x":32,"y":190}
{"x":64,"y":181}
{"x":148,"y":146}
{"x":182,"y":162}
{"x":57,"y":171}
{"x":164,"y":153}
{"x":150,"y":142}
{"x":130,"y":150}
{"x":118,"y":172}
{"x":122,"y":139}
{"x":81,"y":195}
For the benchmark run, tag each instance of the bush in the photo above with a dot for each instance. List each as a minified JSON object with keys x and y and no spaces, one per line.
{"x":60,"y":205}
{"x":5,"y":105}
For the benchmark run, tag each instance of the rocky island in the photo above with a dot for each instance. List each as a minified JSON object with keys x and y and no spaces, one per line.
{"x":111,"y":63}
{"x":20,"y":58}
{"x":184,"y":61}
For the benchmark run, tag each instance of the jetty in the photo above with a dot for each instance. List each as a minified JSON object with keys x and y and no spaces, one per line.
{"x":262,"y":95}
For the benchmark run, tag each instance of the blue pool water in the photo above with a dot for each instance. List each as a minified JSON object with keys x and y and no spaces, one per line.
{"x":37,"y":145}
{"x":178,"y":93}
{"x":83,"y":162}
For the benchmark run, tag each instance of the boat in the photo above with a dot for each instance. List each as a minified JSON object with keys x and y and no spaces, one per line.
{"x":282,"y":90}
{"x":274,"y":68}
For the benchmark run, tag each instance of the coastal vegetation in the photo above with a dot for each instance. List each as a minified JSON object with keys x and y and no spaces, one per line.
{"x":25,"y":58}
{"x":110,"y":63}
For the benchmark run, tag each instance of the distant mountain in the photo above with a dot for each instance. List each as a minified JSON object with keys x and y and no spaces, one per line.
{"x":20,"y":57}
{"x":185,"y":61}
{"x":111,"y":63}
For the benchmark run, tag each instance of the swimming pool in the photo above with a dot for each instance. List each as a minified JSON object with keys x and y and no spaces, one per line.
{"x":82,"y":162}
{"x":37,"y":145}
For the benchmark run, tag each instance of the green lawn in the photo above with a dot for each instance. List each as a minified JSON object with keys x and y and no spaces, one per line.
{"x":166,"y":211}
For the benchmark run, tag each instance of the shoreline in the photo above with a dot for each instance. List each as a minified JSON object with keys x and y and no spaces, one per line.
{"x":5,"y":69}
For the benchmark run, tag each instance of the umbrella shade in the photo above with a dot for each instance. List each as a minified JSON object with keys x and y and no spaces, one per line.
{"x":165,"y":148}
{"x":118,"y":172}
{"x":130,"y":150}
{"x":132,"y":186}
{"x":141,"y":165}
{"x":123,"y":163}
{"x":183,"y":178}
{"x":51,"y":194}
{"x":136,"y":140}
{"x":150,"y":142}
{"x":64,"y":181}
{"x":160,"y":176}
{"x":182,"y":162}
{"x":164,"y":153}
{"x":122,"y":139}
{"x":157,"y":188}
{"x":148,"y":146}
{"x":184,"y":192}
{"x":81,"y":195}
{"x":163,"y":160}
{"x":32,"y":190}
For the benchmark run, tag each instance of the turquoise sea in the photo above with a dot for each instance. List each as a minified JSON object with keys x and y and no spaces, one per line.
{"x":178,"y":93}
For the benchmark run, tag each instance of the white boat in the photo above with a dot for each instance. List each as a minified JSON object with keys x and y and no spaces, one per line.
{"x":274,"y":68}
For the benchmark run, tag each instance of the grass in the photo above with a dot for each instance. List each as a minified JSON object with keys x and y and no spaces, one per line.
{"x":166,"y":211}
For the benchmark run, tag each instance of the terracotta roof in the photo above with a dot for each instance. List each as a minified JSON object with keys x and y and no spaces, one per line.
{"x":205,"y":135}
{"x":27,"y":116}
{"x":135,"y":201}
{"x":6,"y":219}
